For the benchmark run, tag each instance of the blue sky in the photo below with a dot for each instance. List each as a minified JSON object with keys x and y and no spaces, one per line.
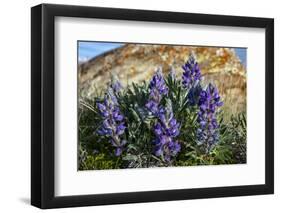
{"x":242,"y":54}
{"x":89,"y":49}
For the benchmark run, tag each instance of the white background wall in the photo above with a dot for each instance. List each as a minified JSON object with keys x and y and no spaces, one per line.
{"x":15,"y":105}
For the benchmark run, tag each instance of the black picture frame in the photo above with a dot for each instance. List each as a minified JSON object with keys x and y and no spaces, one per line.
{"x":43,"y":102}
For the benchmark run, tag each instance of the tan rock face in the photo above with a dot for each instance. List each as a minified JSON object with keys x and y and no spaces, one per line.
{"x":136,"y":63}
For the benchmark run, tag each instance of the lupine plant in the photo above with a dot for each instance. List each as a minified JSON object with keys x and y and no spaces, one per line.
{"x":192,"y":74}
{"x":113,"y":124}
{"x":167,"y":121}
{"x":166,"y":130}
{"x":191,"y":79}
{"x":158,"y":89}
{"x":208,"y":131}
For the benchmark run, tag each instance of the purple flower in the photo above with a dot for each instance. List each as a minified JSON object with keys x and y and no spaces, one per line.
{"x":191,"y":80}
{"x":115,"y":84}
{"x":119,"y":148}
{"x":157,"y":88}
{"x":152,"y":106}
{"x":166,"y":130}
{"x":193,"y":94}
{"x":207,"y":132}
{"x":113,"y":125}
{"x":157,"y":82}
{"x":192,"y":74}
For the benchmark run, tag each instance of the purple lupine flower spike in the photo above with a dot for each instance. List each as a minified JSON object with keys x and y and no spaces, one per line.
{"x":115,"y":84}
{"x":113,"y":125}
{"x":192,"y":74}
{"x":166,"y":130}
{"x":157,"y":82}
{"x":191,"y":80}
{"x":207,"y":132}
{"x":157,"y":88}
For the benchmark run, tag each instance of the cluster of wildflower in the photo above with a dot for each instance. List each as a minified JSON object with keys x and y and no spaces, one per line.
{"x":166,"y":129}
{"x":157,"y":88}
{"x":191,"y":80}
{"x":113,"y":124}
{"x":192,"y":74}
{"x":207,"y":100}
{"x":207,"y":132}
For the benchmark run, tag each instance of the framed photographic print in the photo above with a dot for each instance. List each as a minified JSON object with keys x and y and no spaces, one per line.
{"x":139,"y":106}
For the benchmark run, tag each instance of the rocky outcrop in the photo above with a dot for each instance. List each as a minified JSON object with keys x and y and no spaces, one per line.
{"x":136,"y":63}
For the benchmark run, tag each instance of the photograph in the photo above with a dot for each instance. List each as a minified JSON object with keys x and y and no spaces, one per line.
{"x":160,"y":105}
{"x":133,"y":105}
